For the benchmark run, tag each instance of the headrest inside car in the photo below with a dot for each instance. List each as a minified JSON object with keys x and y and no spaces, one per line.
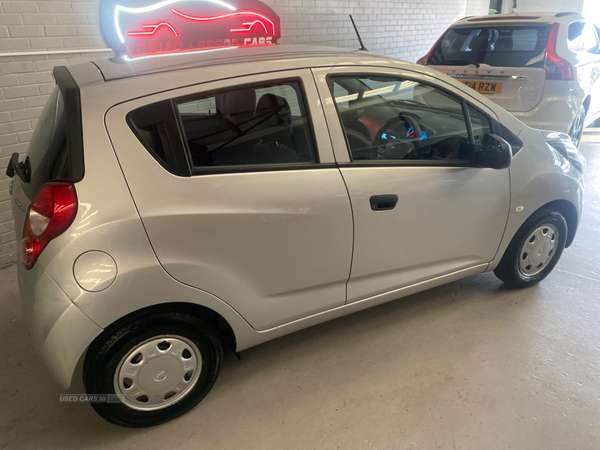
{"x":274,"y":109}
{"x":239,"y":104}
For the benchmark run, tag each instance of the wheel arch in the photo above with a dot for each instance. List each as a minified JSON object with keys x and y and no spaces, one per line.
{"x":569,"y":212}
{"x":221,"y":325}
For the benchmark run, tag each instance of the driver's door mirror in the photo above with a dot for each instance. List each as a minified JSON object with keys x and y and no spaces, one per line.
{"x":496,"y":152}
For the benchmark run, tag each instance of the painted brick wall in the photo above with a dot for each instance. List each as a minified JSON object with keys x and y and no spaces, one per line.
{"x":551,"y":6}
{"x":399,"y":28}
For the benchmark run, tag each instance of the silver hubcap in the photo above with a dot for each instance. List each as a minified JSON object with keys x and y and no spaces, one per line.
{"x":538,"y":250}
{"x":158,"y":372}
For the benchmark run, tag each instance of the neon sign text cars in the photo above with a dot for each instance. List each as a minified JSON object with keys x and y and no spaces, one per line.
{"x":141,"y":28}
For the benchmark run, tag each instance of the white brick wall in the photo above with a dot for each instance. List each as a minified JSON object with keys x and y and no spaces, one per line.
{"x":399,"y":28}
{"x":551,"y":6}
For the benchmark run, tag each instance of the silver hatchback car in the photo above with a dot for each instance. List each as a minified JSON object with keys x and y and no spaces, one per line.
{"x":174,"y":206}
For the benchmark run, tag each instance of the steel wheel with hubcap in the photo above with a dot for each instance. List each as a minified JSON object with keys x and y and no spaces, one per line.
{"x":538,"y":249}
{"x":161,"y":364}
{"x":158,"y":372}
{"x":534,"y":250}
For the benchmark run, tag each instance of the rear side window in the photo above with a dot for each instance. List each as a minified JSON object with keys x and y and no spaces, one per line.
{"x":47,"y":149}
{"x":252,"y":125}
{"x":503,"y":46}
{"x":154,"y":125}
{"x":582,"y":38}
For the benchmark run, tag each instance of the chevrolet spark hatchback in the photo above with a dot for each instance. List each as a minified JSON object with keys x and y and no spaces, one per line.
{"x":171,"y":207}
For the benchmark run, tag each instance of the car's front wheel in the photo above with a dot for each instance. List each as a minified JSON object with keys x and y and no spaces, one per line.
{"x":154,"y":368}
{"x":534,"y":250}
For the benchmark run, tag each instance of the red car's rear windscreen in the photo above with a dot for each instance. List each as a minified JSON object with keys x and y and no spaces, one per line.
{"x":502,"y":46}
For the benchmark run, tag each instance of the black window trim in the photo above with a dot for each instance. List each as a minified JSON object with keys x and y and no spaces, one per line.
{"x":420,"y":162}
{"x":195,"y":171}
{"x":73,"y":118}
{"x":182,"y":164}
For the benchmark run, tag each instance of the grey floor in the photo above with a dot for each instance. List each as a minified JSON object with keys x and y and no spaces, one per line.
{"x":470,"y":365}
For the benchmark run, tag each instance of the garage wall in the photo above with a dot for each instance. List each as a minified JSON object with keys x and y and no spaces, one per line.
{"x":49,"y":33}
{"x":551,"y":6}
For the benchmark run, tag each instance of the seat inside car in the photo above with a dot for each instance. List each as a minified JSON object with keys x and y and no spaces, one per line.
{"x":273,"y":123}
{"x":265,"y":137}
{"x":237,"y":107}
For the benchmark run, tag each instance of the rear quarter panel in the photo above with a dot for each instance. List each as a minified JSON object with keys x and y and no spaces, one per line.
{"x":107,"y":221}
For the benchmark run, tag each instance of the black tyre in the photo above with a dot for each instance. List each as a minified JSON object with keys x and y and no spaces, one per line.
{"x":534,"y":250}
{"x":577,"y":127}
{"x":161,"y":365}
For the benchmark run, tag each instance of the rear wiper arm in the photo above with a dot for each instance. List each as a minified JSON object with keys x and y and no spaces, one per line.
{"x":460,"y":62}
{"x":23,"y":169}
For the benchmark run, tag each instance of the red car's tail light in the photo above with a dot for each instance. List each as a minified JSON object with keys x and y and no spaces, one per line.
{"x":50,"y":214}
{"x":425,"y":59}
{"x":556,"y":67}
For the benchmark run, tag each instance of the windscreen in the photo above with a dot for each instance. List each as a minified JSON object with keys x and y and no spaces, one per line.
{"x":47,"y":149}
{"x":501,"y":46}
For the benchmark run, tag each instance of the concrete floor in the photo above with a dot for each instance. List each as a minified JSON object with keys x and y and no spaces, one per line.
{"x":470,"y":365}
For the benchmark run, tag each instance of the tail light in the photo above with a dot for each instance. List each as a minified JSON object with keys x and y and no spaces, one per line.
{"x":50,"y":214}
{"x":556,"y":67}
{"x":425,"y":59}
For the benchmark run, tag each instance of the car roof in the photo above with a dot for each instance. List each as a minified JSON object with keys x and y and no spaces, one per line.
{"x":104,"y":77}
{"x":122,"y":67}
{"x":519,"y":18}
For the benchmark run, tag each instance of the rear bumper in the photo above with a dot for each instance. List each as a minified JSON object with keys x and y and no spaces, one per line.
{"x":59,"y":331}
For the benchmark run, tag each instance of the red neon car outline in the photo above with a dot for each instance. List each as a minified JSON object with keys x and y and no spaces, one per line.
{"x":249,"y":25}
{"x":237,"y":13}
{"x":155,"y":28}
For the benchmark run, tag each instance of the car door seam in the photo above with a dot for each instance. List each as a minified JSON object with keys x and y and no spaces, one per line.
{"x":343,"y":180}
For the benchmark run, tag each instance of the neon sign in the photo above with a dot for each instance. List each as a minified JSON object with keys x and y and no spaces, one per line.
{"x":136,"y":28}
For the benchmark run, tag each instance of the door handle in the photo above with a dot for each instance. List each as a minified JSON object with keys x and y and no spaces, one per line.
{"x":384,"y":202}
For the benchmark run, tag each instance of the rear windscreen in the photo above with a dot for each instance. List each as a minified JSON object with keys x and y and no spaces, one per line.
{"x":503,"y":46}
{"x":47,"y":149}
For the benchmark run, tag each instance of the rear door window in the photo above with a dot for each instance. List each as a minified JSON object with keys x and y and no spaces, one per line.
{"x":503,"y":46}
{"x":252,"y":125}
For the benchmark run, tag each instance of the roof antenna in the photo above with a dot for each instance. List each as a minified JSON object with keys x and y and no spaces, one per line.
{"x":362,"y":47}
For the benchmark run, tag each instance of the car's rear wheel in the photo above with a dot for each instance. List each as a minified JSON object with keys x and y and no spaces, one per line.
{"x":534,"y":250}
{"x":577,"y":127}
{"x":158,"y":366}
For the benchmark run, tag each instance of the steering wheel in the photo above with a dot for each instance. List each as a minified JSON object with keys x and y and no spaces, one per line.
{"x":399,"y":122}
{"x":405,"y":138}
